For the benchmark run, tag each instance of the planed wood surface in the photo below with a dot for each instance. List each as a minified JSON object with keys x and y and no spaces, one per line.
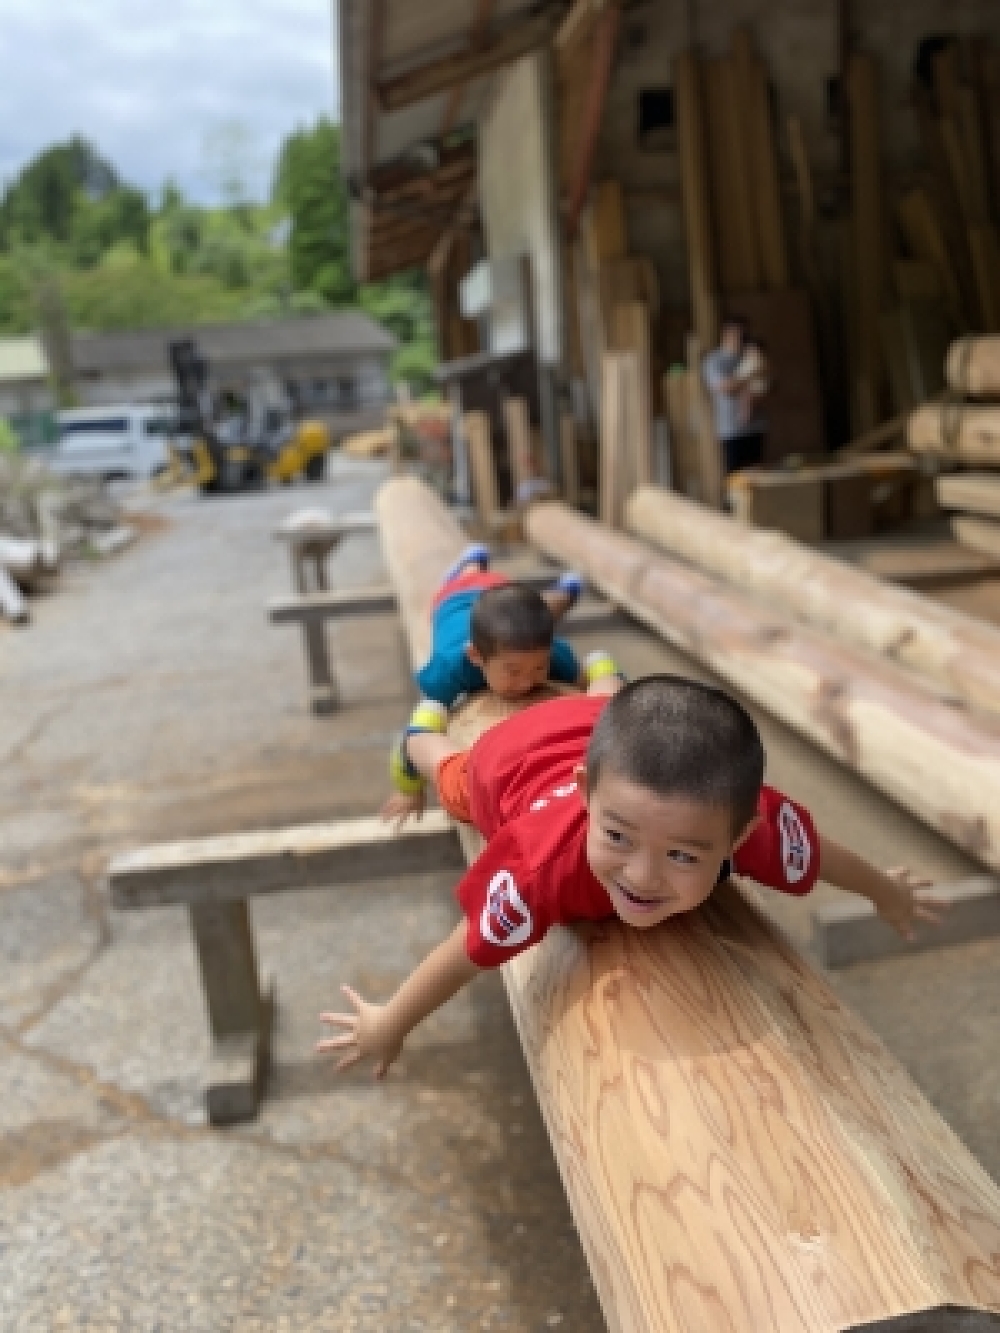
{"x":340,"y":604}
{"x":241,"y":865}
{"x":739,"y":1151}
{"x":941,"y":762}
{"x":960,"y":654}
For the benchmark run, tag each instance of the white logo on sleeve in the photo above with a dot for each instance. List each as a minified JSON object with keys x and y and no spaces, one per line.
{"x":505,"y":920}
{"x":796,"y":849}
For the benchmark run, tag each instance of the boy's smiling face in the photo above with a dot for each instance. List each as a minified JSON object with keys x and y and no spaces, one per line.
{"x":656,"y":855}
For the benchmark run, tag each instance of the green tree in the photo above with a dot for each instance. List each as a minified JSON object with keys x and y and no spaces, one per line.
{"x":308,"y":184}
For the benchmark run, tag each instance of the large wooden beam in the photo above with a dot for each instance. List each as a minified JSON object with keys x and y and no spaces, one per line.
{"x":960,"y":654}
{"x":695,"y":196}
{"x":739,"y":1150}
{"x":480,"y":25}
{"x":602,"y":53}
{"x":506,"y":45}
{"x":939,"y":761}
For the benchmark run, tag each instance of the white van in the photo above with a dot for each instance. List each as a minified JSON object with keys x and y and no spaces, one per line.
{"x":113,"y":442}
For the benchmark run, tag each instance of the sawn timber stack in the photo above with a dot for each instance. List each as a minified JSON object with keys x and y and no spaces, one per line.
{"x":739,"y":1151}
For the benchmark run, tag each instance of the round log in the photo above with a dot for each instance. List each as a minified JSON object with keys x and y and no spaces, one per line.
{"x":959,"y":654}
{"x":941,"y":762}
{"x":972,"y":366}
{"x":968,"y":432}
{"x":738,"y":1150}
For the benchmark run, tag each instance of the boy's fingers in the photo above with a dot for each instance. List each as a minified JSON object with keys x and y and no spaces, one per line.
{"x":346,"y":1061}
{"x":337,"y":1043}
{"x":354,"y":997}
{"x":933,"y":912}
{"x":342,"y":1020}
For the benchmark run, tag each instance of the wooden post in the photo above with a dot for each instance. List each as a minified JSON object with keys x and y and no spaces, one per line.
{"x":569,"y":459}
{"x":476,"y":427}
{"x":869,"y":235}
{"x":702,"y":423}
{"x":959,"y":654}
{"x":695,"y":196}
{"x":239,"y":1012}
{"x":713,"y":1108}
{"x":631,"y":334}
{"x":519,"y":444}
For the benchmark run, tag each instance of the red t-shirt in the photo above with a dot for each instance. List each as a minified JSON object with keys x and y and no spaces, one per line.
{"x":533,"y":873}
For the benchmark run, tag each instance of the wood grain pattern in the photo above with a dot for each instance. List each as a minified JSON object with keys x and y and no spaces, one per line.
{"x":738,"y":1150}
{"x":973,"y":366}
{"x":959,"y":653}
{"x":969,"y":433}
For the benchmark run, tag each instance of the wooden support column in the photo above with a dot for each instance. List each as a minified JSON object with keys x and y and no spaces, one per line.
{"x":695,"y":196}
{"x":869,"y":237}
{"x":482,"y":463}
{"x":240,"y":1013}
{"x":739,"y":1151}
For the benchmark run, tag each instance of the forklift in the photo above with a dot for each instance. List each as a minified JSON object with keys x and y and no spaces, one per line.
{"x":242,"y":441}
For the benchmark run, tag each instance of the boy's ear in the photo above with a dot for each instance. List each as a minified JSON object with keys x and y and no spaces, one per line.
{"x":580,"y":778}
{"x":475,"y":656}
{"x":747,"y":830}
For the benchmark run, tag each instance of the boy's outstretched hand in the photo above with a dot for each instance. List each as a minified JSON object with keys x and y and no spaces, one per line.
{"x":900,"y":906}
{"x":399,"y":807}
{"x":364,"y":1035}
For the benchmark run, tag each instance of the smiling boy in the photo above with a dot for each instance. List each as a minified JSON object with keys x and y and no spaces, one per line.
{"x":635,"y":807}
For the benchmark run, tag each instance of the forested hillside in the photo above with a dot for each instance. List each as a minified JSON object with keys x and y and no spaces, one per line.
{"x":121,"y":260}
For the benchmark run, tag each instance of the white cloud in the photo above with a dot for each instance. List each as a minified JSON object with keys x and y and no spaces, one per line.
{"x":147,"y":84}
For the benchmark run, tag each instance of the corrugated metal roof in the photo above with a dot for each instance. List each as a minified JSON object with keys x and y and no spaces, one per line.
{"x":22,"y":359}
{"x":343,"y":333}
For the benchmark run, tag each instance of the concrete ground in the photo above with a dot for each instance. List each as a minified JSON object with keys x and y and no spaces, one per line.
{"x":151,"y":700}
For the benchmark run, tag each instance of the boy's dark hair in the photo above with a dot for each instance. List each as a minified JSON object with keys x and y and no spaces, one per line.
{"x":511,"y":618}
{"x":677,"y":737}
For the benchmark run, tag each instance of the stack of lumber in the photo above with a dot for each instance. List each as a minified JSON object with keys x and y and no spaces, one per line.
{"x":965,"y":429}
{"x":738,"y":1150}
{"x":955,"y":655}
{"x":45,"y":518}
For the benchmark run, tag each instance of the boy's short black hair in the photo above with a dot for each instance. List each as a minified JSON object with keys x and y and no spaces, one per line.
{"x":677,"y":737}
{"x":511,"y":618}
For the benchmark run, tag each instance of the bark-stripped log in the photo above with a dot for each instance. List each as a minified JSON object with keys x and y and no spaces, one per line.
{"x":965,"y":432}
{"x":738,"y":1150}
{"x":973,"y":366}
{"x":939,"y":761}
{"x":958,"y":653}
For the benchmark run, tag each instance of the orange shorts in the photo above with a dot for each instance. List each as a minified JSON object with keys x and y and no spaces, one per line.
{"x":452,"y":780}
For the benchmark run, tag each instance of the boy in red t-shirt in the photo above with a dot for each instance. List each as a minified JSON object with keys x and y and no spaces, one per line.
{"x":634,"y":806}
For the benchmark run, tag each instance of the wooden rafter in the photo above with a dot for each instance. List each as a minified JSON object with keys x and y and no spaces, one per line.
{"x":505,"y":45}
{"x":376,"y":10}
{"x":460,"y":219}
{"x":480,"y":23}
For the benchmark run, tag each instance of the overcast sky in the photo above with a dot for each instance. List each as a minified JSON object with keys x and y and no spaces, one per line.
{"x":149,"y":82}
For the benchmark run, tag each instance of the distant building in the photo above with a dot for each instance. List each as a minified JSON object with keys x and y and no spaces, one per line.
{"x":339,"y":364}
{"x":25,"y":396}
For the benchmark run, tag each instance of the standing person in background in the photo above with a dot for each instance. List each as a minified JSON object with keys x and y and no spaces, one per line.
{"x":736,"y":394}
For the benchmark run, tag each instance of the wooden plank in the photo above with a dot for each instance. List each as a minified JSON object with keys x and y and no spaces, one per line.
{"x":632,"y":334}
{"x":972,"y":492}
{"x":929,"y":566}
{"x":656,"y":1012}
{"x":310,"y":526}
{"x":959,"y":655}
{"x":926,"y":242}
{"x":520,"y":448}
{"x":340,"y":604}
{"x":732,"y":190}
{"x":869,"y":234}
{"x":602,"y":53}
{"x":237,"y":866}
{"x":478,"y":438}
{"x":978,"y":535}
{"x":617,"y":1029}
{"x":477,"y":32}
{"x":850,"y":931}
{"x":761,"y":163}
{"x":684,"y":460}
{"x":614,"y":465}
{"x":604,"y":232}
{"x":569,"y":459}
{"x":501,"y":47}
{"x":695,"y":197}
{"x":973,"y":366}
{"x":985,"y":250}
